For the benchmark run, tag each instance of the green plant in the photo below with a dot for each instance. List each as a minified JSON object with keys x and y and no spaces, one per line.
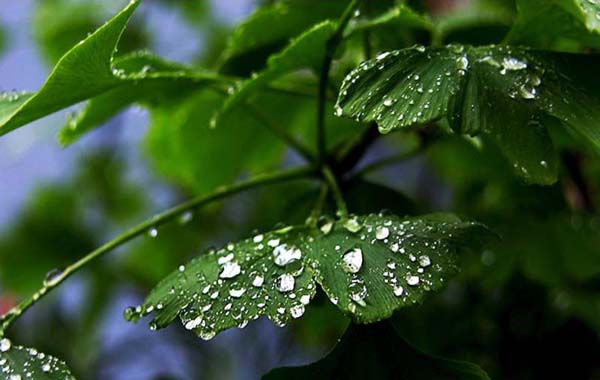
{"x":347,"y":72}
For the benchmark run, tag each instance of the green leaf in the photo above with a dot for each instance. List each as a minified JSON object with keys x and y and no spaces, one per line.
{"x":512,"y":94}
{"x":185,"y":148}
{"x":368,"y":266}
{"x":399,"y":261}
{"x":159,"y":82}
{"x":305,"y":51}
{"x":377,"y":352}
{"x":574,"y":24}
{"x":285,"y":19}
{"x":400,"y":16}
{"x":235,"y":285}
{"x":20,"y":363}
{"x":83,"y":72}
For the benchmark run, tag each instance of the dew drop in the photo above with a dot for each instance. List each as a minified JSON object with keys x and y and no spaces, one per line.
{"x":284,"y":254}
{"x":285,"y":283}
{"x":53,"y":277}
{"x":230,"y":270}
{"x":352,"y":225}
{"x":398,"y":290}
{"x":412,"y":280}
{"x":258,"y":281}
{"x":382,"y":233}
{"x":352,"y":260}
{"x":5,"y":345}
{"x":424,"y":261}
{"x":153,"y":232}
{"x":297,"y":311}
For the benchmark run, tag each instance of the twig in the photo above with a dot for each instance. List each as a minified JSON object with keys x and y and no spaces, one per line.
{"x":145,"y":226}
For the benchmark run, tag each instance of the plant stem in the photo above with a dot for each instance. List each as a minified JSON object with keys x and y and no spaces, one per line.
{"x":337,"y":193}
{"x":318,"y":209}
{"x":282,"y":134}
{"x":145,"y":226}
{"x":332,"y":45}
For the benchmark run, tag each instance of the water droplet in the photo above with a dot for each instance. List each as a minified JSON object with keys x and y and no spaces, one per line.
{"x":388,"y":102}
{"x":15,"y":377}
{"x":207,"y":335}
{"x":357,"y":291}
{"x":5,"y":345}
{"x":352,"y":260}
{"x":181,"y":268}
{"x":398,"y":290}
{"x":327,"y":227}
{"x":424,"y":261}
{"x":381,"y":56}
{"x":258,"y":281}
{"x":186,"y":217}
{"x":297,"y":311}
{"x":153,"y":232}
{"x":284,"y":254}
{"x":46,"y":367}
{"x":285,"y":283}
{"x":230,"y":270}
{"x":412,"y":280}
{"x":53,"y":277}
{"x":237,"y":293}
{"x":352,"y":225}
{"x":258,"y":238}
{"x":382,"y":233}
{"x":514,"y":64}
{"x":305,"y":299}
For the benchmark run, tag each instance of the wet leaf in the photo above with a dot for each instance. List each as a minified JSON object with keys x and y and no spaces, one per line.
{"x":20,"y":363}
{"x":286,"y":19}
{"x":368,"y":266}
{"x":574,"y":20}
{"x":84,"y":72}
{"x":305,"y":51}
{"x":400,"y":16}
{"x":160,"y":82}
{"x":377,"y":352}
{"x":512,"y":94}
{"x":263,"y":275}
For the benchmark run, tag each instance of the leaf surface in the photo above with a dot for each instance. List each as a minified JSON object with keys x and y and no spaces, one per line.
{"x":512,"y":94}
{"x":368,"y":266}
{"x":20,"y":363}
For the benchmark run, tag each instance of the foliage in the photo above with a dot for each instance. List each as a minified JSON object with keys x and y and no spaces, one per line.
{"x":498,"y":110}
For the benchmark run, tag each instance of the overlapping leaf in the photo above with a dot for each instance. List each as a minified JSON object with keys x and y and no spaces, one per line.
{"x":285,"y":19}
{"x":368,"y":266}
{"x":20,"y":363}
{"x":377,"y":352}
{"x":87,"y":71}
{"x":305,"y":51}
{"x":571,"y":20}
{"x":512,"y":94}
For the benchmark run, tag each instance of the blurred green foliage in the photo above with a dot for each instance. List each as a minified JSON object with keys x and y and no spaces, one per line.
{"x":525,"y":308}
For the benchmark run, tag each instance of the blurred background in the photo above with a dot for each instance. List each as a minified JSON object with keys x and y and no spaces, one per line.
{"x":528,"y":308}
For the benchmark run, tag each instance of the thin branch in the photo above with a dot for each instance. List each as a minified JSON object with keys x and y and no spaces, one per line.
{"x":332,"y":46}
{"x":342,"y":210}
{"x":318,"y":208}
{"x":145,"y":226}
{"x":282,"y":133}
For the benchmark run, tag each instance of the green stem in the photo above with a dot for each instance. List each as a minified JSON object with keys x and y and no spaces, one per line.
{"x":282,"y":134}
{"x":337,"y":193}
{"x":332,"y":46}
{"x":142,"y":228}
{"x":318,"y":209}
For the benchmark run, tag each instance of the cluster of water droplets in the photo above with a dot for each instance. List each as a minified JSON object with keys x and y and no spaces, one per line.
{"x":263,"y":275}
{"x":416,"y":255}
{"x":19,"y":363}
{"x":11,"y":96}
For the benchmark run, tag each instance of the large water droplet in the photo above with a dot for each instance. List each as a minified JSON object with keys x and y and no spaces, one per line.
{"x":382,"y":233}
{"x":53,"y":277}
{"x":284,"y":254}
{"x":230,"y":270}
{"x":5,"y":345}
{"x":285,"y":283}
{"x":352,"y":260}
{"x":352,"y":225}
{"x":297,"y":311}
